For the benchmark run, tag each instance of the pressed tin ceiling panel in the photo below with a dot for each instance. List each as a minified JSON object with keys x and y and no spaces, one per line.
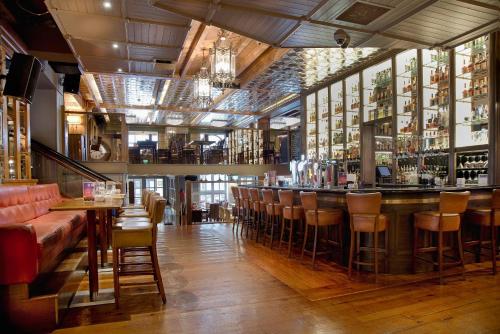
{"x":362,"y":13}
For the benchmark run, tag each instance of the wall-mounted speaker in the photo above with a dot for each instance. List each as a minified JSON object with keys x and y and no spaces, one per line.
{"x":22,"y":77}
{"x":71,"y":83}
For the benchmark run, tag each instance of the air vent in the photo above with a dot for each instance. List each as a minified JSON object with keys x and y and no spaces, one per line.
{"x":164,"y":65}
{"x":362,"y":13}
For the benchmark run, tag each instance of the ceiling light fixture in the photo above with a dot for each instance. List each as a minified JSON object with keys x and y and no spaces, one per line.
{"x":202,"y":91}
{"x":115,"y":45}
{"x":120,"y":70}
{"x":223,"y":61}
{"x":107,"y":4}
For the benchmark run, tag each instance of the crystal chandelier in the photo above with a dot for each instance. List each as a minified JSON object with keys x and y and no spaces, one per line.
{"x":203,"y":86}
{"x":223,"y":61}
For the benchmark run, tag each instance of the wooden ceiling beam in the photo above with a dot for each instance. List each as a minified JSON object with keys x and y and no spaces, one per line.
{"x":178,"y":109}
{"x":194,"y":43}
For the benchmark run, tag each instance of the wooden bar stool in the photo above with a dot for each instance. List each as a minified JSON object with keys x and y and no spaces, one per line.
{"x":258,"y":209}
{"x":291,"y":214}
{"x":274,"y":211}
{"x":236,"y":196}
{"x":138,"y":234}
{"x":486,"y":218}
{"x":446,"y":220}
{"x":365,"y":217}
{"x":244,"y":209}
{"x":318,"y":218}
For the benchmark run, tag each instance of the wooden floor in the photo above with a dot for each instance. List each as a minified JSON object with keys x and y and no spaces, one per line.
{"x":219,"y":283}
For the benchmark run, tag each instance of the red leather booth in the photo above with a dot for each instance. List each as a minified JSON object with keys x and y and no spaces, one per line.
{"x":33,"y":239}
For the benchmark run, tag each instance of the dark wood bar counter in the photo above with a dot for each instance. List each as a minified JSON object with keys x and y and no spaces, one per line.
{"x":399,"y":204}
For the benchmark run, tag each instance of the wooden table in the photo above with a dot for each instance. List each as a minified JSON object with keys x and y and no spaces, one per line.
{"x":92,"y":208}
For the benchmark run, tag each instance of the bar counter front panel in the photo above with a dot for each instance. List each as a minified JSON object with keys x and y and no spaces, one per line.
{"x":399,"y":204}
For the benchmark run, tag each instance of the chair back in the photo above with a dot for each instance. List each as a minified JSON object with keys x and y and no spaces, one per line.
{"x":243,"y":193}
{"x":453,"y":202}
{"x":360,"y":203}
{"x":159,"y":204}
{"x":267,"y":196}
{"x":143,"y":197}
{"x":286,"y":197}
{"x":495,"y":199}
{"x":309,"y":200}
{"x":254,"y":194}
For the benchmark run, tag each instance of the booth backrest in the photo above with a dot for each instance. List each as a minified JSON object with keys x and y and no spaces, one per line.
{"x":43,"y":197}
{"x":22,"y":203}
{"x":15,"y":205}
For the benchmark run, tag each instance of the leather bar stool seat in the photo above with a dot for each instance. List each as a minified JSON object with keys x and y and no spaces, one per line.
{"x":429,"y":220}
{"x":291,"y":214}
{"x":487,"y":219}
{"x":278,"y":209}
{"x":365,"y":217}
{"x":323,"y":218}
{"x":446,"y":220}
{"x":482,"y":216}
{"x":365,"y":223}
{"x":273,"y":212}
{"x":259,"y":206}
{"x":298,"y":212}
{"x":138,"y":234}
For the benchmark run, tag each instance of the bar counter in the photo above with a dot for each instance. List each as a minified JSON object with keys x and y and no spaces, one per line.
{"x":399,"y":204}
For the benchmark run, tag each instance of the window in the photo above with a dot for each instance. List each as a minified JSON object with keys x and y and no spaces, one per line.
{"x":213,"y":188}
{"x":135,"y":136}
{"x":155,"y":185}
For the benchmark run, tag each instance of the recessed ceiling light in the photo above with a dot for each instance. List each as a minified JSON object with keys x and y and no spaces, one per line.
{"x":115,"y":45}
{"x":107,"y":4}
{"x":120,"y":70}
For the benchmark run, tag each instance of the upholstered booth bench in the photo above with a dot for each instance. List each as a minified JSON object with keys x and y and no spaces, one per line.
{"x":33,"y":241}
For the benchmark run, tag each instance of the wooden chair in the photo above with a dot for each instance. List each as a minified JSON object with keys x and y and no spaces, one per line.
{"x":244,"y":209}
{"x":138,"y":234}
{"x":365,"y":217}
{"x":486,"y":219}
{"x":236,"y":217}
{"x":320,"y":218}
{"x":274,"y":211}
{"x":446,"y":220}
{"x":258,"y":209}
{"x":291,"y":214}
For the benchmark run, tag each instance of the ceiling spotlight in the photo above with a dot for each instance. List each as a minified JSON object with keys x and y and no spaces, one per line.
{"x":120,"y":70}
{"x":115,"y":45}
{"x":107,"y":4}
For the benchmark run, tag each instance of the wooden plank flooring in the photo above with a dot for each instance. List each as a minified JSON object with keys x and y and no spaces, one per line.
{"x":218,"y":283}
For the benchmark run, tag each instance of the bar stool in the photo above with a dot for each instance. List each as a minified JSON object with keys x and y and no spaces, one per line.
{"x":318,"y":218}
{"x":486,"y":218}
{"x":274,"y":211}
{"x":236,"y":196}
{"x":291,"y":213}
{"x":258,"y":209}
{"x":244,"y":209}
{"x":365,"y":217}
{"x":138,"y":234}
{"x":446,"y":220}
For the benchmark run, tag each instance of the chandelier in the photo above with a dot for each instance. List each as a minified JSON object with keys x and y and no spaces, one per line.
{"x":223,"y":61}
{"x":203,"y":86}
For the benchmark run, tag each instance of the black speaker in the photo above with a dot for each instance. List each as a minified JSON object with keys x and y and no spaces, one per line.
{"x":22,"y":77}
{"x":71,"y":83}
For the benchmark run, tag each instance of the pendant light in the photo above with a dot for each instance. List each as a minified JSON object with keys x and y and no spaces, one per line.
{"x":202,"y":86}
{"x":223,"y":61}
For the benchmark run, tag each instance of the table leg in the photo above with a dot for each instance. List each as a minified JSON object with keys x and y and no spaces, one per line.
{"x":103,"y":231}
{"x":92,"y":253}
{"x":109,"y":225}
